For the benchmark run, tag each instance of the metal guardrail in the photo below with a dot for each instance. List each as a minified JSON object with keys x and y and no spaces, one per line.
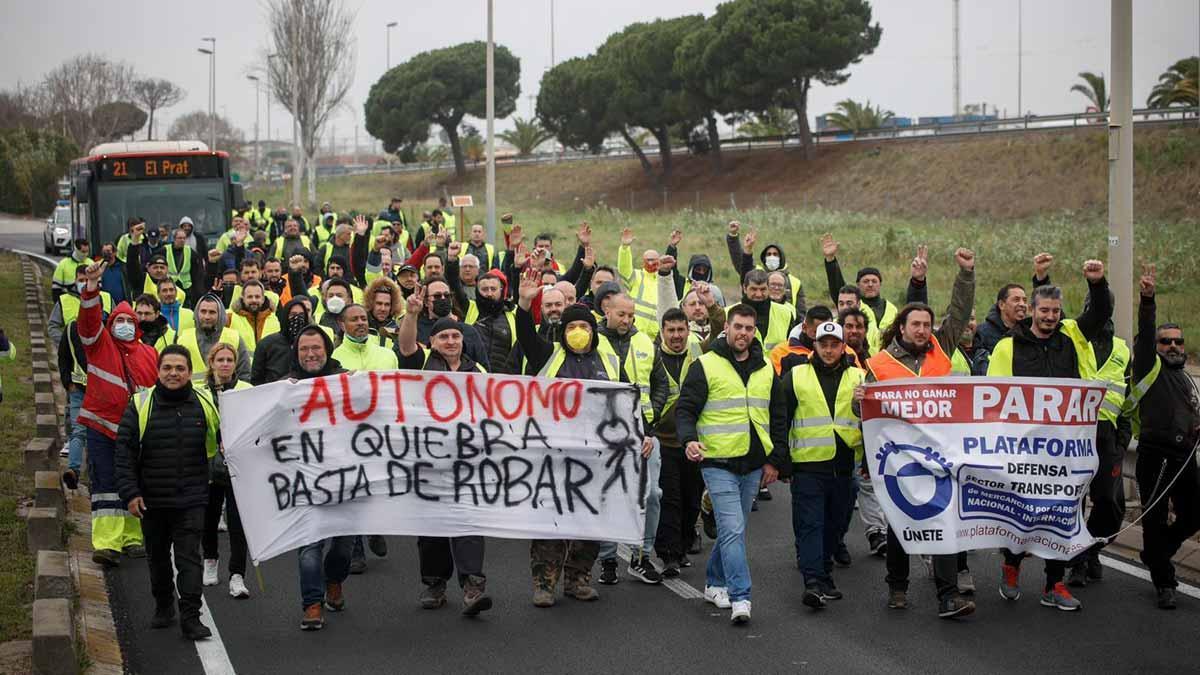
{"x":827,"y":136}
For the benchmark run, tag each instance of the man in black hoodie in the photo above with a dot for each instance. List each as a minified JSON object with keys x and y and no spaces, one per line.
{"x":273,"y":355}
{"x":166,"y":437}
{"x":311,"y":356}
{"x":771,"y":259}
{"x":739,"y":446}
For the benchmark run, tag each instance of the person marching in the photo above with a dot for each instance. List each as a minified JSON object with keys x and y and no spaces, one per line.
{"x":915,"y":349}
{"x":730,"y":418}
{"x":166,"y":438}
{"x":1166,"y":407}
{"x":441,"y":556}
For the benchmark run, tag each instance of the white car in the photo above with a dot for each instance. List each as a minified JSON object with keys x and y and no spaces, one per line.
{"x":57,"y":237}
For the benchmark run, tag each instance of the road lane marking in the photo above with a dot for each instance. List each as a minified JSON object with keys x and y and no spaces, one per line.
{"x":213,"y":657}
{"x":1135,"y":571}
{"x":678,"y":586}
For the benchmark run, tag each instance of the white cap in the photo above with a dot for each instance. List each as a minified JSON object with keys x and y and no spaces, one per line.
{"x":830,"y":329}
{"x":187,"y":220}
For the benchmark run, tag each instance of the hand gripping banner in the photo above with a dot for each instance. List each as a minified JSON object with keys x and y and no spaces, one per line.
{"x":434,"y":454}
{"x":962,"y":463}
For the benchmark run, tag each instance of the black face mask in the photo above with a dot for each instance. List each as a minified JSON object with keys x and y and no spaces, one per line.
{"x":147,"y":327}
{"x":442,"y":307}
{"x":488,"y":306}
{"x":296,"y":324}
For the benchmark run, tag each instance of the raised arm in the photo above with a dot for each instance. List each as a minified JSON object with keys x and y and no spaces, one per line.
{"x":833,"y":271}
{"x":1099,"y":307}
{"x":962,"y":300}
{"x":537,"y":351}
{"x":406,"y":335}
{"x":625,"y":271}
{"x":1145,"y":349}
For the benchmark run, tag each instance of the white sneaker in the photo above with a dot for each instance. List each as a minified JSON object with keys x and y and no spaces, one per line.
{"x":237,"y":587}
{"x":210,"y":572}
{"x":741,"y":611}
{"x":221,"y":525}
{"x":717,"y":595}
{"x":65,"y":452}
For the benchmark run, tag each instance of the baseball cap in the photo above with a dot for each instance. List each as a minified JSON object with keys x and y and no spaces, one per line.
{"x":830,"y":329}
{"x":406,"y":268}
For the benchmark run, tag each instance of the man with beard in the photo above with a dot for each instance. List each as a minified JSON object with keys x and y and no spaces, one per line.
{"x":384,"y":303}
{"x":256,"y":308}
{"x":549,"y":330}
{"x":320,"y":581}
{"x":1011,"y":306}
{"x":211,"y":328}
{"x":1046,"y":345}
{"x":914,"y":348}
{"x":854,"y":326}
{"x":293,"y":241}
{"x":801,"y":342}
{"x":1166,"y":406}
{"x":272,"y":275}
{"x":496,"y":322}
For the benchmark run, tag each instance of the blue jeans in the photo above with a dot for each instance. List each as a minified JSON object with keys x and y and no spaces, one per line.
{"x":731,"y":495}
{"x":77,"y":436}
{"x":608,"y":549}
{"x":336,"y":568}
{"x":819,"y":505}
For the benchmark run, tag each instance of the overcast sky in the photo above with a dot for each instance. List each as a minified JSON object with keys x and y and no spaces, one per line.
{"x":910,"y":73}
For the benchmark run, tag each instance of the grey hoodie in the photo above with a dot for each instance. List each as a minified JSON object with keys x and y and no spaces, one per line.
{"x":205,"y":339}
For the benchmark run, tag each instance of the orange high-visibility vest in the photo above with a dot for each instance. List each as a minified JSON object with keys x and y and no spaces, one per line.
{"x":886,"y":367}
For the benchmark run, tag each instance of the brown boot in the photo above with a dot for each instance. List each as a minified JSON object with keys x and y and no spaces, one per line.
{"x":475,"y":597}
{"x":580,"y":588}
{"x":542,"y":596}
{"x":434,"y":595}
{"x":334,"y":601}
{"x":312,"y":618}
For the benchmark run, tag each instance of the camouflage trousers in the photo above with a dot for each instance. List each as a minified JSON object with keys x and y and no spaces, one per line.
{"x":573,"y":558}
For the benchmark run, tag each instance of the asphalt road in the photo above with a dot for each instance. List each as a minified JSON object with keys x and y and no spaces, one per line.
{"x":639,"y":628}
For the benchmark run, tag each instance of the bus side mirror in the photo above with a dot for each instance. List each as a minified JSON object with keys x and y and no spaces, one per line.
{"x":238,"y":195}
{"x":81,"y":186}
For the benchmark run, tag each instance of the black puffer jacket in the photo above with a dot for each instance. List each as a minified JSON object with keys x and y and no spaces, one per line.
{"x":1055,"y":356}
{"x":273,"y":355}
{"x":499,"y":339}
{"x":168,"y":465}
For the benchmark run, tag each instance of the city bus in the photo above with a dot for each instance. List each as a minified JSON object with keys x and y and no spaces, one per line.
{"x":160,"y":181}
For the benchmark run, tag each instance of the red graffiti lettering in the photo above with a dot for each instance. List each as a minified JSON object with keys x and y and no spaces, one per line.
{"x":429,"y":398}
{"x":318,"y":398}
{"x":348,"y":408}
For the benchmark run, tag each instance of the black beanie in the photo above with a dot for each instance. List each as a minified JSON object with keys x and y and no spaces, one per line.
{"x":868,"y":270}
{"x":445,"y":323}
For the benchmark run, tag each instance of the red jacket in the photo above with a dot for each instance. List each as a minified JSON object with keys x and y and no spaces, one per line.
{"x":116,"y":369}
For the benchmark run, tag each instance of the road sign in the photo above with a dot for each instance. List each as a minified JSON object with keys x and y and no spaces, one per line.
{"x":461,"y":201}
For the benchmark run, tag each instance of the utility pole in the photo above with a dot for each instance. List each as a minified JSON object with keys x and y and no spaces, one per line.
{"x":212,"y":92}
{"x":254,"y":79}
{"x":1020,"y":55}
{"x":957,"y":87}
{"x":551,"y":33}
{"x":491,"y":124}
{"x":1120,"y":168}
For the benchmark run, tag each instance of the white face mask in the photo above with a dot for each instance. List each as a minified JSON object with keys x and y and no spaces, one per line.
{"x":125,"y":332}
{"x":772,"y":262}
{"x":79,"y":286}
{"x":335,"y":305}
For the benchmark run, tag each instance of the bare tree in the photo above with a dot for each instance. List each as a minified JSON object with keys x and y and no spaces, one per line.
{"x":76,"y":88}
{"x":195,"y":126}
{"x":312,"y":72}
{"x":154,"y":94}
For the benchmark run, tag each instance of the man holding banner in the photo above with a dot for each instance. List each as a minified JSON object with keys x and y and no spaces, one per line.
{"x":914,"y":349}
{"x":319,"y":581}
{"x":1046,"y":345}
{"x":440,"y":556}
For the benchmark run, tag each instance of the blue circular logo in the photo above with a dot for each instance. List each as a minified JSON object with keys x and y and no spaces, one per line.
{"x":897,"y":472}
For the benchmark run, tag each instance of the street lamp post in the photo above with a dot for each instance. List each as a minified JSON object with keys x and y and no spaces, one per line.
{"x":269,"y":57}
{"x":390,"y":26}
{"x":491,"y":126}
{"x":212,"y":92}
{"x":254,"y":79}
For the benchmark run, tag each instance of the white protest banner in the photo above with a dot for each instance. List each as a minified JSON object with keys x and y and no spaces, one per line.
{"x":435,"y":454}
{"x":962,"y":463}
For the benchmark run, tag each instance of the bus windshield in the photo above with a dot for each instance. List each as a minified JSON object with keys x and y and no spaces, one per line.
{"x":161,"y":203}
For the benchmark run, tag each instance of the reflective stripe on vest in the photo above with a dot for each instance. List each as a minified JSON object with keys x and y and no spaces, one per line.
{"x":639,"y":361}
{"x":693,"y":352}
{"x":1112,"y":374}
{"x":187,"y":338}
{"x":144,"y":400}
{"x":811,"y":438}
{"x":182,"y":276}
{"x":608,"y":358}
{"x":734,"y":410}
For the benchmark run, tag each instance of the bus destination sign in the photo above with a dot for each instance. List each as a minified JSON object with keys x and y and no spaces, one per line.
{"x":152,"y":168}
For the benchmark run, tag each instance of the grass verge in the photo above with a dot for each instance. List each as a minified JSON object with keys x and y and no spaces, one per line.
{"x":16,"y":429}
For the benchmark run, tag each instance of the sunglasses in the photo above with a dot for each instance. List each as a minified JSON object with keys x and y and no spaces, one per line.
{"x":1171,"y":341}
